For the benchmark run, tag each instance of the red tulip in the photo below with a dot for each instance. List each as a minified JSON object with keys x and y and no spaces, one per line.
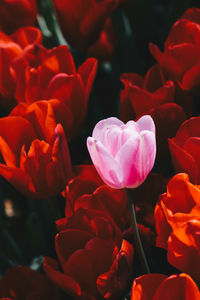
{"x":87,"y":191}
{"x":93,"y":221}
{"x":153,"y":95}
{"x":184,"y":246}
{"x":180,"y":59}
{"x":41,"y":74}
{"x":177,"y":216}
{"x":175,"y":206}
{"x":38,"y":166}
{"x":23,"y":283}
{"x":11,"y":47}
{"x":158,"y":286}
{"x":17,"y":13}
{"x":96,"y":253}
{"x":184,"y":148}
{"x":142,"y":94}
{"x":43,"y":116}
{"x":88,"y":26}
{"x":105,"y":46}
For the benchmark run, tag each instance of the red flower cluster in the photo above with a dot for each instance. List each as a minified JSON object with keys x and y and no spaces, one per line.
{"x":180,"y":59}
{"x":166,"y":91}
{"x":36,"y":160}
{"x":155,"y":96}
{"x":87,"y":191}
{"x":34,"y":152}
{"x":30,"y":73}
{"x":96,"y":216}
{"x":44,"y":96}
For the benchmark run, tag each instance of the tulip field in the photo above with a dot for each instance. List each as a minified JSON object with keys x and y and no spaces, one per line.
{"x":99,"y":150}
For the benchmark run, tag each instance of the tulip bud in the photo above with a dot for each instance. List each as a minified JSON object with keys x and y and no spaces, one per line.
{"x":123,"y":154}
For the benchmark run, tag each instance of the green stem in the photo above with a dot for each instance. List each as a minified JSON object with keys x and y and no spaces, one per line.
{"x":136,"y":236}
{"x":48,"y":23}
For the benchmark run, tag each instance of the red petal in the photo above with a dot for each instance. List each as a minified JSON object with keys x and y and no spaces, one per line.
{"x":19,"y":179}
{"x":60,"y":60}
{"x":192,"y":14}
{"x":177,"y":287}
{"x":183,"y":161}
{"x":191,"y":80}
{"x":27,"y":35}
{"x":64,"y":249}
{"x":65,"y":282}
{"x":16,"y":131}
{"x":87,"y":72}
{"x":144,"y":287}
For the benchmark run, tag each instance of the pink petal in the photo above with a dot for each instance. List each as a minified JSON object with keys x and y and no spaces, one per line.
{"x":131,"y":126}
{"x":101,"y":126}
{"x":112,"y":139}
{"x":136,"y":157}
{"x":127,"y":158}
{"x":106,"y":166}
{"x":146,"y":123}
{"x":148,"y":150}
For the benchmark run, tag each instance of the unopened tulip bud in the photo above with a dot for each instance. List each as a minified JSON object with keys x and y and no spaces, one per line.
{"x":123,"y":154}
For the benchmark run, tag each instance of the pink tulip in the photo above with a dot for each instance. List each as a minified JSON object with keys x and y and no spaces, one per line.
{"x":123,"y":154}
